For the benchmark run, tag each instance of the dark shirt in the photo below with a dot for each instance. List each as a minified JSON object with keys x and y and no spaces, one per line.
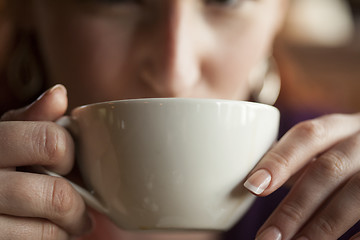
{"x":247,"y":227}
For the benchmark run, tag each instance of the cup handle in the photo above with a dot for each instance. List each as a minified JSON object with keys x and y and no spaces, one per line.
{"x":68,"y":123}
{"x":89,"y":199}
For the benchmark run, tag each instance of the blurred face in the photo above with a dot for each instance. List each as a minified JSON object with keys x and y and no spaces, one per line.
{"x":118,"y":49}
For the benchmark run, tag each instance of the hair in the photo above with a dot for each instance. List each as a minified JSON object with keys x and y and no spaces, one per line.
{"x":22,"y":71}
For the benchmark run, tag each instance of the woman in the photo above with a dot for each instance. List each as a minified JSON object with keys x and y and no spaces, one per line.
{"x":104,"y":50}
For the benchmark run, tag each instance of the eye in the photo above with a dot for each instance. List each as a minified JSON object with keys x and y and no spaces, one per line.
{"x":223,"y":2}
{"x":115,"y":1}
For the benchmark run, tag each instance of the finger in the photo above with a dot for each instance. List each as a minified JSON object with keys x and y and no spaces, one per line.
{"x":317,"y":184}
{"x":41,"y":196}
{"x":339,"y":215}
{"x":36,"y":143}
{"x":15,"y":228}
{"x":297,"y":148}
{"x":356,"y":237}
{"x":48,"y":107}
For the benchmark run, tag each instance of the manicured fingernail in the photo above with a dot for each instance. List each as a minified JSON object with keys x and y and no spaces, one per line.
{"x":272,"y":233}
{"x":258,"y":181}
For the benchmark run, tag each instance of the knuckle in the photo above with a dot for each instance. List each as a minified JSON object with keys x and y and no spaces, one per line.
{"x":313,"y":129}
{"x":62,"y":199}
{"x":354,"y":187}
{"x":326,"y":226}
{"x":50,"y":231}
{"x":332,"y":164}
{"x":280,"y":158}
{"x":292,"y":211}
{"x":49,"y":141}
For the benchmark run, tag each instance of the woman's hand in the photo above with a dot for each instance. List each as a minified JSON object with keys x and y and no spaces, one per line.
{"x":325,"y":200}
{"x":34,"y":206}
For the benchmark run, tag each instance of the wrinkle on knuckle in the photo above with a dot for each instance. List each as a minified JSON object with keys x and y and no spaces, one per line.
{"x":313,"y":129}
{"x":49,"y":231}
{"x":332,"y":164}
{"x":49,"y":142}
{"x":280,"y":158}
{"x":292,"y":211}
{"x":62,"y":199}
{"x":326,"y":226}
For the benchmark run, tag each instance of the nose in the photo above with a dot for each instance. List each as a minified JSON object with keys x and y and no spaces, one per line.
{"x":171,"y":62}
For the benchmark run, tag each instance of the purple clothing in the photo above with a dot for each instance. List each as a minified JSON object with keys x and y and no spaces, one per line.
{"x":261,"y":209}
{"x":248,"y":226}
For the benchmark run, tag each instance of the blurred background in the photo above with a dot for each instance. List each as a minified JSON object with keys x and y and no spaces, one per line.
{"x":318,"y":52}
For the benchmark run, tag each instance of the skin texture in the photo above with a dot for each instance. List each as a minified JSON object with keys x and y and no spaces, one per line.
{"x":164,"y":48}
{"x":159,"y":49}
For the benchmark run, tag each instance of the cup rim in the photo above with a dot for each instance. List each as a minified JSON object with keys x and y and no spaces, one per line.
{"x":173,"y":100}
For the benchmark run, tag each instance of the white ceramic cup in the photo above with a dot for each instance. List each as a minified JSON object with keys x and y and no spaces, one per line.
{"x":170,"y":163}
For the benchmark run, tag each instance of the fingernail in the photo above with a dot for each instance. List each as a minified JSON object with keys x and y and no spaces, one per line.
{"x":258,"y":181}
{"x":89,"y":223}
{"x":272,"y":233}
{"x":58,"y":87}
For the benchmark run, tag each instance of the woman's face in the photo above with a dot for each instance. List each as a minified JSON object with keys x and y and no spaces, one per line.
{"x":117,"y":49}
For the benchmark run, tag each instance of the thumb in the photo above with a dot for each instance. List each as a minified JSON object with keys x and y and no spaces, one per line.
{"x":51,"y":105}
